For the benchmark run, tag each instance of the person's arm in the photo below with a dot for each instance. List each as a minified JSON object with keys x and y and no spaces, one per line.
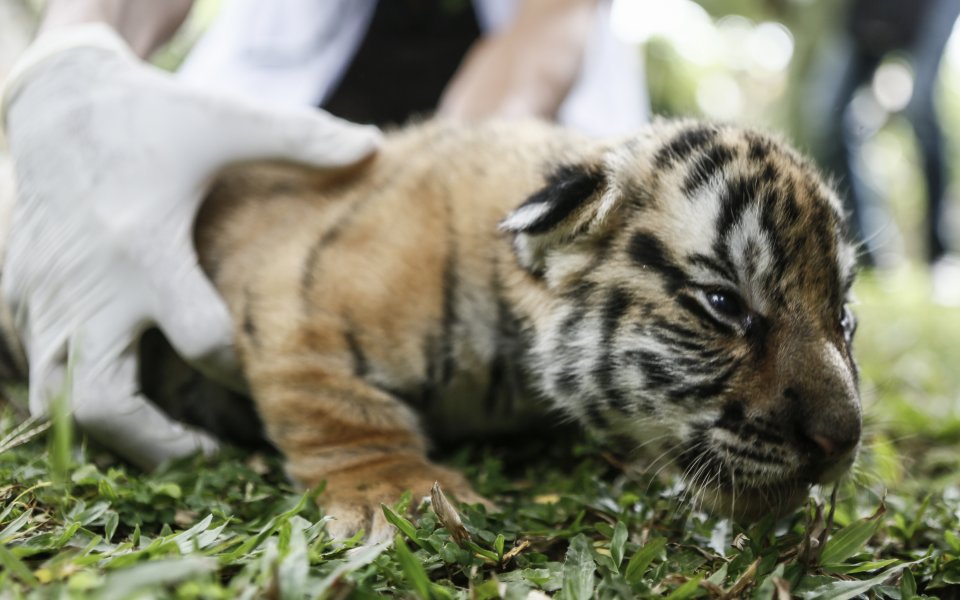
{"x":526,"y":69}
{"x":144,"y":24}
{"x":113,"y":158}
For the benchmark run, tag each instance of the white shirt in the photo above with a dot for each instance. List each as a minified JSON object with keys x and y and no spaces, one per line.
{"x":294,"y":52}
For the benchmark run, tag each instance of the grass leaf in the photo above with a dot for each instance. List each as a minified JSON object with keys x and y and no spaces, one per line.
{"x":356,"y":559}
{"x":111,"y":520}
{"x":151,"y":575}
{"x":413,"y":570}
{"x":637,"y":567}
{"x":908,"y":585}
{"x":617,"y":543}
{"x":15,"y":566}
{"x":404,"y":525}
{"x":498,"y":546}
{"x":688,"y":590}
{"x":579,"y":569}
{"x":851,"y":539}
{"x":845,"y":589}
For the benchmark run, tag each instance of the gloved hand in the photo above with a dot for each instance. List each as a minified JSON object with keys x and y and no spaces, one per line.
{"x":112,"y":158}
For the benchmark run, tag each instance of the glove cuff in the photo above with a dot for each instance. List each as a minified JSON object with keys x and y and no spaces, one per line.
{"x":50,"y":44}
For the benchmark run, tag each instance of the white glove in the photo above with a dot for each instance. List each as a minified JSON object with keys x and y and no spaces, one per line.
{"x":112,"y":159}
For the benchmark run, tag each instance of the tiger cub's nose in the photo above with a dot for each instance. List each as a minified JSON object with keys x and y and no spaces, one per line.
{"x":830,"y":431}
{"x":833,"y":448}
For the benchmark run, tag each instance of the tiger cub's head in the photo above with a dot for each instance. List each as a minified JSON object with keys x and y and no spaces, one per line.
{"x":698,"y":277}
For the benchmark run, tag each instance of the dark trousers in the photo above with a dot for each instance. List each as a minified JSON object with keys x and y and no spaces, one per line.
{"x":845,"y":145}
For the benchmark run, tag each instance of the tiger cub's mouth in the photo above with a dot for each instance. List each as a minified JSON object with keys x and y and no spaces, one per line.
{"x":750,"y":501}
{"x":756,"y":470}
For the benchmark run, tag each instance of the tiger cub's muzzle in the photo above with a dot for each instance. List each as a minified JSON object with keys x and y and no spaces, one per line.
{"x":762,"y":453}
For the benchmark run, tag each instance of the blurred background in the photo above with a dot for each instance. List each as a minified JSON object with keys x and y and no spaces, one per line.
{"x":785,"y":65}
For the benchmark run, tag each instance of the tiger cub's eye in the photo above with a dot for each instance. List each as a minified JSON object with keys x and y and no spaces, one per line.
{"x":727,"y":304}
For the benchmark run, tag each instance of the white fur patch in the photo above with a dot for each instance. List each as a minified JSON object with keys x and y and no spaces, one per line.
{"x":525,"y":216}
{"x":748,"y":242}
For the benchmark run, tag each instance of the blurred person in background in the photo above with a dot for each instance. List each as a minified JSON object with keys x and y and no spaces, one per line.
{"x":382,"y":62}
{"x":918,"y":31}
{"x":112,"y":158}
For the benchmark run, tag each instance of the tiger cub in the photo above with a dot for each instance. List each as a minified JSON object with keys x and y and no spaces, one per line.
{"x":688,"y":284}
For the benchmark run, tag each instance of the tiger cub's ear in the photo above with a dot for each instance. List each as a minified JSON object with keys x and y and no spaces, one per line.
{"x":575,"y":204}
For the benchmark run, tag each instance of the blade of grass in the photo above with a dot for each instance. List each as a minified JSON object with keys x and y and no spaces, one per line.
{"x":637,"y":567}
{"x":850,"y":539}
{"x":617,"y":544}
{"x":16,"y":567}
{"x":579,"y":569}
{"x":413,"y":571}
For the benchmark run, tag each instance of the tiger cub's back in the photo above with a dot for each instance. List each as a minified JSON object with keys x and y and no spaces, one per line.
{"x":395,"y":269}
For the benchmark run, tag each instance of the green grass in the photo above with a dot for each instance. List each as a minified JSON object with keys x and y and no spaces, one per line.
{"x":75,"y":523}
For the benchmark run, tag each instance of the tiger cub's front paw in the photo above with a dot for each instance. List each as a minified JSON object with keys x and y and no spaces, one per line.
{"x":353,"y":497}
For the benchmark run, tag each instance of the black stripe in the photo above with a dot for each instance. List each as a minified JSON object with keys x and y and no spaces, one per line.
{"x":594,"y":417}
{"x":782,"y":254}
{"x":648,"y":252}
{"x":600,"y":249}
{"x":734,"y":201}
{"x":704,"y":391}
{"x":684,"y":144}
{"x":713,"y":264}
{"x":736,"y":197}
{"x":567,"y":382}
{"x":496,"y":372}
{"x":402,"y":395}
{"x":359,"y":359}
{"x":705,"y":365}
{"x":248,"y":325}
{"x":789,"y":208}
{"x":813,"y":192}
{"x":759,"y":147}
{"x":378,"y":189}
{"x":749,"y":431}
{"x":570,"y":325}
{"x":732,"y":416}
{"x":503,"y":384}
{"x":707,"y":165}
{"x":450,"y":283}
{"x":567,"y":188}
{"x":284,"y":187}
{"x":656,"y":374}
{"x":691,"y":305}
{"x":744,"y":452}
{"x":827,"y":248}
{"x":770,"y":173}
{"x":581,"y":291}
{"x":614,"y":308}
{"x":308,"y":276}
{"x":692,"y":345}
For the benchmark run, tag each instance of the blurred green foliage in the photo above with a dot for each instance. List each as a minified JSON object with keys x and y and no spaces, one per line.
{"x":787,"y":101}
